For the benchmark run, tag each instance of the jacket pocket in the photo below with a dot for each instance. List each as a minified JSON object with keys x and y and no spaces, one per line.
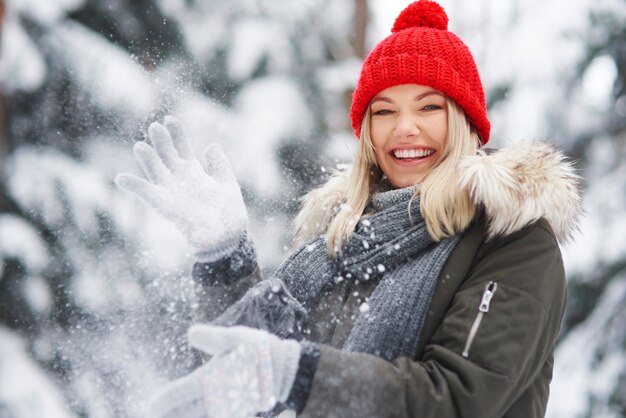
{"x":483,"y":309}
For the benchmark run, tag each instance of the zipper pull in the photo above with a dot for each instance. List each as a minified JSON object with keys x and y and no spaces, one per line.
{"x":483,"y":308}
{"x":490,"y":289}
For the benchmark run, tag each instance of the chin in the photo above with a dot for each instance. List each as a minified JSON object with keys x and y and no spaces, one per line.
{"x":402,"y":183}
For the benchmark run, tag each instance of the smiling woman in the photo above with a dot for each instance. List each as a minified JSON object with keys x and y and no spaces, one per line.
{"x":429,"y":280}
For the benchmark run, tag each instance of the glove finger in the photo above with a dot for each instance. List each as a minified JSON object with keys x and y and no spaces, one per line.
{"x":162,"y":142}
{"x":150,"y":162}
{"x":179,"y":137}
{"x":216,"y":340}
{"x":217,"y":165}
{"x":140,"y":187}
{"x":180,"y":398}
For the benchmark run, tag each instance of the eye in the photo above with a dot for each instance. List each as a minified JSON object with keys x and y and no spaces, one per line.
{"x":432,"y":107}
{"x":382,"y":112}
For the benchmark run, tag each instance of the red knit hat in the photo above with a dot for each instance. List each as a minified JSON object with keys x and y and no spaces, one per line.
{"x":421,"y":50}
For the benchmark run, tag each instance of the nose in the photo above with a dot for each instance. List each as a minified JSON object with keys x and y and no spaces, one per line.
{"x":406,"y":126}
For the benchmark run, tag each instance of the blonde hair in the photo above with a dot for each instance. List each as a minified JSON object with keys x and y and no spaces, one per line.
{"x":446,"y":208}
{"x":363,"y":176}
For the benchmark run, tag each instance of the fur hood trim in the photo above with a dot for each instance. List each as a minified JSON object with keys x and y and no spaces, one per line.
{"x":522,"y":183}
{"x":516,"y":186}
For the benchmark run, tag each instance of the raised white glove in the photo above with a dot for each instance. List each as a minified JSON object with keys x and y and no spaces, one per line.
{"x":251,"y":370}
{"x":205,"y":203}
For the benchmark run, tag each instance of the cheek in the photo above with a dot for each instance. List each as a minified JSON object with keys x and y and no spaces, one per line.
{"x":439,"y":131}
{"x":378,"y":154}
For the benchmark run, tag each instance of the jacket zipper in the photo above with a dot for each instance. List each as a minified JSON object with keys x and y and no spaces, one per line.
{"x":483,"y":308}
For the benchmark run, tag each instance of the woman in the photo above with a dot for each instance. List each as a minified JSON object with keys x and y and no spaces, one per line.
{"x":429,"y":282}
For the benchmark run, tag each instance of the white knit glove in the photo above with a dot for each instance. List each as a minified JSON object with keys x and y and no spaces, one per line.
{"x":251,"y":370}
{"x":205,"y":203}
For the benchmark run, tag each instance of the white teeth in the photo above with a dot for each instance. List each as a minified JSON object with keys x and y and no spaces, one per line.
{"x":412,"y":153}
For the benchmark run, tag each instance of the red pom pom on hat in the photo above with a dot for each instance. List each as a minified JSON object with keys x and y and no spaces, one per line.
{"x":422,"y":13}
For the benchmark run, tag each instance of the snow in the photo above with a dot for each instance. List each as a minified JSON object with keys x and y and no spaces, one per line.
{"x":26,"y":391}
{"x":121,"y":84}
{"x":337,"y":78}
{"x":585,"y":364}
{"x":37,"y":294}
{"x":18,"y":239}
{"x":364,"y":308}
{"x":163,"y":248}
{"x":256,"y":136}
{"x":601,"y":240}
{"x":266,"y":113}
{"x":598,"y":81}
{"x":206,"y":121}
{"x":34,"y":176}
{"x":202,"y":31}
{"x":268,"y":233}
{"x":45,"y":12}
{"x":253,"y":41}
{"x":133,"y":281}
{"x":114,"y":374}
{"x":22,"y":67}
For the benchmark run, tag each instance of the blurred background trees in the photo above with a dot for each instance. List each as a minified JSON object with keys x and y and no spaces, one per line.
{"x":94,"y":287}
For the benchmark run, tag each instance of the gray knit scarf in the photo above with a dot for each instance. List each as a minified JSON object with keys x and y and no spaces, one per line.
{"x":393,"y":246}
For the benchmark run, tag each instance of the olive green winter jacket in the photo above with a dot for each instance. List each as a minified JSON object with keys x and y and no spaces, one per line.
{"x":507,"y":365}
{"x":486,"y":347}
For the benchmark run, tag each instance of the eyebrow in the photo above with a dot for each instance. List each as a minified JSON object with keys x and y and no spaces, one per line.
{"x":417,"y":98}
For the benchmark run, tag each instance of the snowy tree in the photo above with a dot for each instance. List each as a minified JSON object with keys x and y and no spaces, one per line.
{"x":94,"y":281}
{"x":94,"y":287}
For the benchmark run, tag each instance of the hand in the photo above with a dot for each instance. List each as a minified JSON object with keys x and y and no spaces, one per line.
{"x":268,"y":306}
{"x":251,"y":370}
{"x":205,"y":203}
